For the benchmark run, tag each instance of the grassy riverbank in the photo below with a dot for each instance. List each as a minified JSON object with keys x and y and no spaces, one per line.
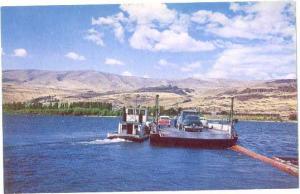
{"x":253,"y":117}
{"x":105,"y":109}
{"x":108,"y":113}
{"x":71,"y":111}
{"x":80,"y":108}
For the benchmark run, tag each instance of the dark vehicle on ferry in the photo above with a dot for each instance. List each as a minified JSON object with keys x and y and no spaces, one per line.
{"x":182,"y":117}
{"x":192,"y":123}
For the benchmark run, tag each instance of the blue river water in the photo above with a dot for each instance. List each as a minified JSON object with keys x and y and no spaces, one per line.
{"x":71,"y":154}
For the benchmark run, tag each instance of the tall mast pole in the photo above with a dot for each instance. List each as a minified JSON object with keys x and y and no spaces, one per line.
{"x":156,"y":108}
{"x":136,"y":106}
{"x":231,"y":111}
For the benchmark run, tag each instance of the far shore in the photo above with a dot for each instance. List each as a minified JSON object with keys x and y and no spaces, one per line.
{"x":253,"y":120}
{"x":283,"y":121}
{"x":114,"y":116}
{"x":51,"y":114}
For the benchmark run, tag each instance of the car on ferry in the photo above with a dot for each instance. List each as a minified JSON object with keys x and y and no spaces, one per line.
{"x":164,"y":121}
{"x":182,"y":116}
{"x":192,"y":123}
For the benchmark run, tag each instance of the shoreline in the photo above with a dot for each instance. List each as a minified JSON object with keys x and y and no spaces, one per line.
{"x":266,"y":121}
{"x":253,"y":120}
{"x":114,"y":116}
{"x":42,"y":114}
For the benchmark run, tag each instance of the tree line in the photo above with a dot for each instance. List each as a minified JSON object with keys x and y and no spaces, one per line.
{"x":62,"y":108}
{"x":106,"y":109}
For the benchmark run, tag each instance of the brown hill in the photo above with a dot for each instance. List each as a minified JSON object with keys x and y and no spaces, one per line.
{"x":272,"y":96}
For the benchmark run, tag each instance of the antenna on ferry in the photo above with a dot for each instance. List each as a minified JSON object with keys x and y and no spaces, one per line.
{"x":135,"y":108}
{"x":231,"y":111}
{"x":124,"y":115}
{"x":156,"y":108}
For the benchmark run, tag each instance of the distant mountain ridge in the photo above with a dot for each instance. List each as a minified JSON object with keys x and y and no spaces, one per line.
{"x":103,"y":82}
{"x":90,"y":80}
{"x":271,"y":96}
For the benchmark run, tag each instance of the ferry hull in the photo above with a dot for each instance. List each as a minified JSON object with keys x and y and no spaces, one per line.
{"x":157,"y":140}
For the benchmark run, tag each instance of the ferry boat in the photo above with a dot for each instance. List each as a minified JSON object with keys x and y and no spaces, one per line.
{"x":205,"y":138}
{"x":134,"y":126}
{"x":184,"y":134}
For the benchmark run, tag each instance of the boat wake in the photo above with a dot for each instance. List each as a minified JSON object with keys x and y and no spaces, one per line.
{"x":105,"y":141}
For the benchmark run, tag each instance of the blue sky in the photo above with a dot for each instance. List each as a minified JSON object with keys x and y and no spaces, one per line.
{"x":202,"y":40}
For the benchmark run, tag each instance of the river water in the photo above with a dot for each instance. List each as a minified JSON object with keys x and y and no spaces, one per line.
{"x":71,"y":154}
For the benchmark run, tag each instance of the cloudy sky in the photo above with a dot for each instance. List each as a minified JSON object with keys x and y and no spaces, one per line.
{"x":204,"y":40}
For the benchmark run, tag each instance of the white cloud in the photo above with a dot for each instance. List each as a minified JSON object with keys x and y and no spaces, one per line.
{"x":191,"y":67}
{"x":290,"y":76}
{"x":153,"y":27}
{"x":165,"y":63}
{"x":20,"y":52}
{"x":257,"y":41}
{"x":268,"y":50}
{"x":158,"y":28}
{"x":261,"y":20}
{"x":181,"y":42}
{"x":127,"y":73}
{"x":94,"y":36}
{"x":113,"y":62}
{"x":114,"y":22}
{"x":254,"y":62}
{"x":144,"y":37}
{"x":74,"y":56}
{"x":235,"y":7}
{"x":146,"y":14}
{"x":148,"y":38}
{"x":204,"y":16}
{"x":146,"y":76}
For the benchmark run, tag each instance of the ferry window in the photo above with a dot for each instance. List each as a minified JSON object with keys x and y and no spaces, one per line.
{"x":142,"y":112}
{"x":130,"y":111}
